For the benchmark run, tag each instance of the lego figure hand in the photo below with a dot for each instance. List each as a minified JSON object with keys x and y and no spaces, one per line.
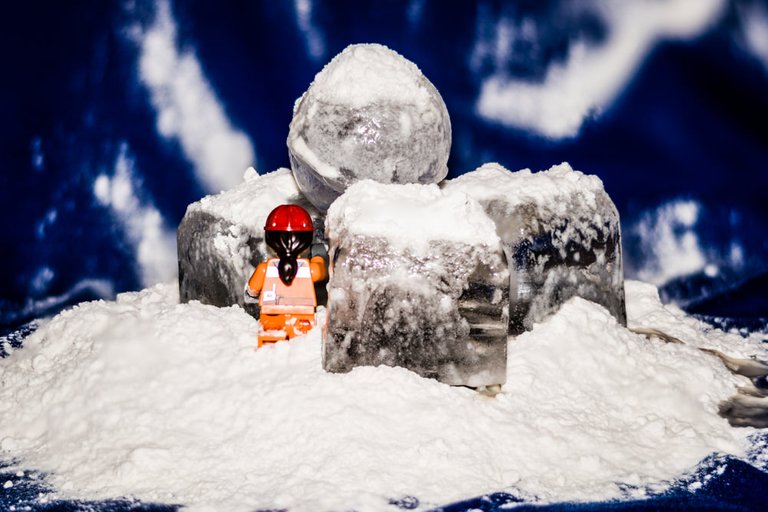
{"x":248,"y":298}
{"x":318,"y":269}
{"x":253,"y":286}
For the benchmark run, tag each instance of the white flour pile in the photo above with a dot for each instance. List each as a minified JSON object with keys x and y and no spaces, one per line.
{"x":147,"y":398}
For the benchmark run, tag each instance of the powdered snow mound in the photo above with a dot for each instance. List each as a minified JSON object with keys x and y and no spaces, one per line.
{"x":419,"y":280}
{"x":168,"y":402}
{"x":221,"y":238}
{"x":645,"y":310}
{"x":620,"y":399}
{"x":370,"y":113}
{"x":561,"y":234}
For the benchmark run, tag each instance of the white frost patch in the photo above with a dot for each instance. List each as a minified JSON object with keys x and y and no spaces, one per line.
{"x":312,"y":35}
{"x":592,"y":76}
{"x":188,"y":110}
{"x":153,"y":242}
{"x":299,"y":145}
{"x":668,"y":238}
{"x":366,"y":74}
{"x":409,"y":216}
{"x":548,"y":189}
{"x":250,"y":202}
{"x":168,"y":402}
{"x":247,"y":206}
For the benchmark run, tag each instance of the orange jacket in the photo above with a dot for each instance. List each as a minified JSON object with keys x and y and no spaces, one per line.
{"x":275,"y":297}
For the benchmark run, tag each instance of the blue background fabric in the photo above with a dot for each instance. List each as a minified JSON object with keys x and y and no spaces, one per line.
{"x":102,"y":147}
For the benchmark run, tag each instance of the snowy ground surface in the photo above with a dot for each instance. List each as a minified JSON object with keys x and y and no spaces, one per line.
{"x":164,"y":402}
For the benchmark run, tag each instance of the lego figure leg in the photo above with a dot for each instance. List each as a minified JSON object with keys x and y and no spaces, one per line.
{"x":272,"y":329}
{"x":299,"y":324}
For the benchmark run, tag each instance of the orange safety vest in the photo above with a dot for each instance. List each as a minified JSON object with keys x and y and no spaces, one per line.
{"x":298,"y":298}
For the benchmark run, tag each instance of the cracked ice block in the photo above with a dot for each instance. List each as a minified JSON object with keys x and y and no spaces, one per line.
{"x":418,"y":280}
{"x":221,"y":239}
{"x":561,"y":234}
{"x":369,"y":114}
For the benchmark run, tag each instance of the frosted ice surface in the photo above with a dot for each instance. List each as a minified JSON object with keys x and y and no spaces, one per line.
{"x":369,"y":113}
{"x":221,"y":238}
{"x":410,"y":216}
{"x":250,"y":202}
{"x":561,"y":235}
{"x":428,"y":294}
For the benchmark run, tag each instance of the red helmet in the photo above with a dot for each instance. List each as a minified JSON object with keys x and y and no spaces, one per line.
{"x":289,"y":217}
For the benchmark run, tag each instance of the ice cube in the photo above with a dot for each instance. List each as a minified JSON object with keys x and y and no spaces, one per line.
{"x":561,"y":235}
{"x":369,"y":114}
{"x":418,"y":280}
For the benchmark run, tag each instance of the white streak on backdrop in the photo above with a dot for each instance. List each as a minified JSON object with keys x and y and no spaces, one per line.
{"x":592,"y":76}
{"x":154,"y":244}
{"x":188,"y":110}
{"x":416,"y":12}
{"x":754,"y":19}
{"x":669,"y":241}
{"x":312,"y":35}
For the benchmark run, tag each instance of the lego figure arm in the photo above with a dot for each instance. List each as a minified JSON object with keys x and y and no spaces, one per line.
{"x":317,"y":269}
{"x":254,"y":284}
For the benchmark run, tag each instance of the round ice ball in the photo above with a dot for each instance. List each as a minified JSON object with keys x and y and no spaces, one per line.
{"x":369,"y":114}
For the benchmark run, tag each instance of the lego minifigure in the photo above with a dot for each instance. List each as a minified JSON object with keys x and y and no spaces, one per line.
{"x":284,"y":285}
